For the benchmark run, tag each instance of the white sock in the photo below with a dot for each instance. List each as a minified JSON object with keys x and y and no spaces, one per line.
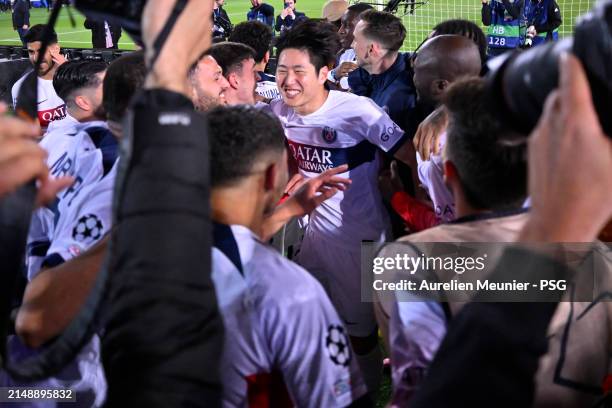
{"x":371,"y":366}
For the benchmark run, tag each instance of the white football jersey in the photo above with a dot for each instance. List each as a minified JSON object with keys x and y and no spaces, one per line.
{"x":51,"y":108}
{"x":266,"y":86}
{"x":284,"y":341}
{"x":347,"y":129}
{"x":87,"y":152}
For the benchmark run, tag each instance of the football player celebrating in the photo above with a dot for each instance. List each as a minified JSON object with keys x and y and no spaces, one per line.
{"x":326,"y":129}
{"x":285,"y":344}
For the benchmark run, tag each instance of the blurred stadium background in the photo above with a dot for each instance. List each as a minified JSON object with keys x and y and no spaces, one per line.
{"x":418,"y":16}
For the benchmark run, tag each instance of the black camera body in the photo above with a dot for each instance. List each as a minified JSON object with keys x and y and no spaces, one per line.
{"x":520,"y":82}
{"x":127,"y":14}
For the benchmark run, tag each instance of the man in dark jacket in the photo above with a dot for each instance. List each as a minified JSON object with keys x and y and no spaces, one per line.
{"x":288,"y":17}
{"x":222,"y":26}
{"x":21,"y":18}
{"x":261,"y":12}
{"x":103,"y":33}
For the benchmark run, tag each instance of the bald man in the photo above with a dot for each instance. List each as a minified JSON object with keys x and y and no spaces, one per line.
{"x":440,"y":62}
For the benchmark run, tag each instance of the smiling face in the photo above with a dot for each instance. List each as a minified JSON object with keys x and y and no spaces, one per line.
{"x":47,"y":64}
{"x":208,"y":84}
{"x":300,"y":85}
{"x":347,"y":27}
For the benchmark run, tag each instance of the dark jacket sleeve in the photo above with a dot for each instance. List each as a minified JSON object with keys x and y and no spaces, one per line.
{"x":163,"y":330}
{"x":279,"y":23}
{"x":486,"y":14}
{"x":115,"y":33}
{"x":491,"y":352}
{"x":554,"y":18}
{"x":21,"y":15}
{"x":514,"y":9}
{"x":269,"y":13}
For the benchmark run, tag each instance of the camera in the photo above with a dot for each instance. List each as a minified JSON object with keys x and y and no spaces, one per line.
{"x":529,"y":37}
{"x":519,"y":82}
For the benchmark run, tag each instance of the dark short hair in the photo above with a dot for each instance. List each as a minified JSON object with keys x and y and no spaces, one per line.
{"x":124,"y":77}
{"x":384,"y":28}
{"x":360,"y":7}
{"x":490,"y":159}
{"x":465,"y":28}
{"x":256,"y":35}
{"x":74,"y":75}
{"x":320,"y":39}
{"x":35,"y":33}
{"x":239,"y":136}
{"x":230,"y":55}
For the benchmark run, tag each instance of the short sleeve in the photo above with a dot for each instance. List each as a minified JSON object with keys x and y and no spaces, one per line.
{"x":381,"y":130}
{"x":83,"y":224}
{"x":311,"y":347}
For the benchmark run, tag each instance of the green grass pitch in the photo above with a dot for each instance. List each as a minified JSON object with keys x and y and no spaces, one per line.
{"x":425,"y":15}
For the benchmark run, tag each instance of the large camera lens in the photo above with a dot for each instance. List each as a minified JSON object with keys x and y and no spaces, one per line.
{"x":519,"y":83}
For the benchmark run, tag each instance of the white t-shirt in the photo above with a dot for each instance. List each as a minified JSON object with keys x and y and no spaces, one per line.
{"x":346,"y":129}
{"x":431,"y":176}
{"x":51,"y":108}
{"x":282,"y":332}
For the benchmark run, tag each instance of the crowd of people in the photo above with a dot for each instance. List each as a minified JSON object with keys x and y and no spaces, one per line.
{"x":350,"y":141}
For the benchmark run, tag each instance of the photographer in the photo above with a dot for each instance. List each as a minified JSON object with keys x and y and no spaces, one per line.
{"x":503,"y":18}
{"x":570,"y":157}
{"x":543,"y":19}
{"x":288,"y":17}
{"x":222,"y":26}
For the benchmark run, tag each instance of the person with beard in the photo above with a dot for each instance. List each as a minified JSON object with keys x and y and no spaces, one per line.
{"x":346,"y":60}
{"x":237,"y":62}
{"x":72,"y":147}
{"x":82,"y":147}
{"x":261,"y":12}
{"x":208,"y":85}
{"x":50,"y":106}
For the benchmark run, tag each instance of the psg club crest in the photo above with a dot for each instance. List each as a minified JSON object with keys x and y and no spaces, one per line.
{"x":329,"y":135}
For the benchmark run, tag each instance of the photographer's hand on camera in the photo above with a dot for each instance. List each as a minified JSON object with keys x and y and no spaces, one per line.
{"x":570,"y":164}
{"x":189,"y":38}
